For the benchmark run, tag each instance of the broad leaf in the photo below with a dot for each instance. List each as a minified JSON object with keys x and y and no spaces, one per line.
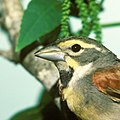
{"x":41,"y":17}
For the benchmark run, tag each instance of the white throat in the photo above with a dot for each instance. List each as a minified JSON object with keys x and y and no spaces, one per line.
{"x":80,"y":72}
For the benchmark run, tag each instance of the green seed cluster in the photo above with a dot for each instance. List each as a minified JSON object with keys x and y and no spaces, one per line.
{"x":88,"y":12}
{"x":84,"y":15}
{"x":65,"y":19}
{"x":94,"y":12}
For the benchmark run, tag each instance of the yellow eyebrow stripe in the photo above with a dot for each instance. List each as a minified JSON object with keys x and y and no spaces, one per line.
{"x":75,"y":41}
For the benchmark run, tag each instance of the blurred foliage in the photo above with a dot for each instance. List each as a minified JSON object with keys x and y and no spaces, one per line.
{"x":44,"y":111}
{"x":33,"y":113}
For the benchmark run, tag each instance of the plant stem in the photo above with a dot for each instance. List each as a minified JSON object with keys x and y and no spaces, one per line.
{"x":110,"y":25}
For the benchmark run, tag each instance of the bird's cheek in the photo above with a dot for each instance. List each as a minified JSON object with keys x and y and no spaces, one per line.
{"x":71,"y":62}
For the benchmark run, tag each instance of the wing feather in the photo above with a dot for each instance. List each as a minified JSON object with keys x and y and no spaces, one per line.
{"x":108,"y":81}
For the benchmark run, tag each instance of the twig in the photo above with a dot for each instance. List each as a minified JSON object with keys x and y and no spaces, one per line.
{"x":7,"y":54}
{"x":12,"y":12}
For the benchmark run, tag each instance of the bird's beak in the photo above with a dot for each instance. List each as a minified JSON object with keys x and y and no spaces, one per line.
{"x":52,"y":53}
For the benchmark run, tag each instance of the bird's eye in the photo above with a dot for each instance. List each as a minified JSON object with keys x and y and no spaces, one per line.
{"x":76,"y":48}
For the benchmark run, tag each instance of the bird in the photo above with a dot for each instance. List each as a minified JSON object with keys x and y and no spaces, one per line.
{"x":89,"y":77}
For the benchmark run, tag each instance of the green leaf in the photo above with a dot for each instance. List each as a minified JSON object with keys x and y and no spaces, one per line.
{"x":29,"y":114}
{"x":41,"y":17}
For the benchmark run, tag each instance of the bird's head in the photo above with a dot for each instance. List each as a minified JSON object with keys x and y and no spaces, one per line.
{"x":70,"y":53}
{"x":74,"y":51}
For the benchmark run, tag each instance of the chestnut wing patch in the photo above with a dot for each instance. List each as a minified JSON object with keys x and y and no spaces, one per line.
{"x":108,"y":81}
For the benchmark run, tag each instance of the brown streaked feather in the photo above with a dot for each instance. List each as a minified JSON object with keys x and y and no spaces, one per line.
{"x":108,"y":81}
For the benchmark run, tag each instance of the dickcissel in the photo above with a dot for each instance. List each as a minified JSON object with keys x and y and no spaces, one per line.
{"x":89,"y":77}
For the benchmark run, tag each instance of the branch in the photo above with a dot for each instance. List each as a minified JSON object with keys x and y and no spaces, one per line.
{"x":7,"y":54}
{"x":43,"y":70}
